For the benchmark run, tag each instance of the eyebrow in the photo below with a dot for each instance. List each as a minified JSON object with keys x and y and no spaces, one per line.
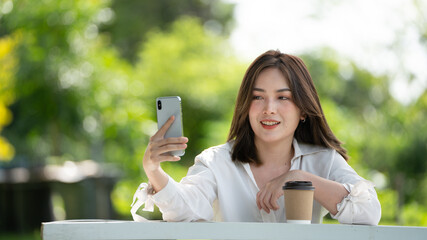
{"x":279,"y":90}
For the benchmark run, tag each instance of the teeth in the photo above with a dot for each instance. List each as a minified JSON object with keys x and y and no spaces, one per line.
{"x":270,"y":123}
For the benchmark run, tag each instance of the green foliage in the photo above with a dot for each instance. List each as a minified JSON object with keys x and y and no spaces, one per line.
{"x":51,"y":76}
{"x":76,"y":98}
{"x":415,"y":214}
{"x":134,"y":19}
{"x":73,"y":96}
{"x":186,"y":61}
{"x":27,"y":236}
{"x":8,"y":64}
{"x":388,"y":200}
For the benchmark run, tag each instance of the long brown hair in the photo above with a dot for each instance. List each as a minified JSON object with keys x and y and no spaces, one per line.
{"x":315,"y":130}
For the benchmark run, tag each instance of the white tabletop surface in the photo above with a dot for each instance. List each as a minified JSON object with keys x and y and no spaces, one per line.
{"x":111,"y":229}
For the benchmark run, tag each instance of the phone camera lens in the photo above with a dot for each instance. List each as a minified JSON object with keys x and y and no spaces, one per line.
{"x":159,"y":105}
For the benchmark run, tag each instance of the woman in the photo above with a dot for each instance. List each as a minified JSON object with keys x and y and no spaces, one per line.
{"x":278,"y":134}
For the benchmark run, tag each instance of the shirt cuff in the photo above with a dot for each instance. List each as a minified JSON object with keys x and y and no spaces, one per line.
{"x":141,"y":197}
{"x":166,"y":194}
{"x":349,"y":207}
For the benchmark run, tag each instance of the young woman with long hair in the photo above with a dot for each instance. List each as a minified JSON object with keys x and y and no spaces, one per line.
{"x":278,"y":133}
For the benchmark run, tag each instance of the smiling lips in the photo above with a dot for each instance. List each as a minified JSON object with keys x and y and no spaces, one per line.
{"x":269,"y":124}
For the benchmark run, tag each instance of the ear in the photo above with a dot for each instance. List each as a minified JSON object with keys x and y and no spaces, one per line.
{"x":303,"y":116}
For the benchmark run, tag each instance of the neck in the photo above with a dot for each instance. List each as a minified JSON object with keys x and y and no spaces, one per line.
{"x":275,"y":153}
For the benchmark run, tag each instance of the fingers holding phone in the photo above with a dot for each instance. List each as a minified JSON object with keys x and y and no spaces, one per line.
{"x":165,"y":147}
{"x":160,"y":134}
{"x":159,"y":148}
{"x":167,"y":144}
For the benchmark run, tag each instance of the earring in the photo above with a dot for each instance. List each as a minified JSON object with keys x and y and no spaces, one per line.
{"x":303,"y":121}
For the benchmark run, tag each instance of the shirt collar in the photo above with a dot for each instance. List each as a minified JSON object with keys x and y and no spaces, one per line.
{"x":302,"y":149}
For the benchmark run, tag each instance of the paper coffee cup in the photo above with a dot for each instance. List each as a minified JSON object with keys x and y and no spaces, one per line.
{"x":298,"y":201}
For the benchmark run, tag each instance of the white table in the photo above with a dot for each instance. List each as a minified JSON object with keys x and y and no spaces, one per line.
{"x":110,"y":229}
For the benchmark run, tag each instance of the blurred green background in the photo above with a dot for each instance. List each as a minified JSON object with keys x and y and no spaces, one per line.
{"x":78,"y":82}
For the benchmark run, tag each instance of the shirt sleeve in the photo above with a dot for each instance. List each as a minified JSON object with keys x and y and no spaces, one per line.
{"x":361,"y":205}
{"x":189,"y":200}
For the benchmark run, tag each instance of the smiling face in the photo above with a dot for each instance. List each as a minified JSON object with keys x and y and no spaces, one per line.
{"x":273,"y":115}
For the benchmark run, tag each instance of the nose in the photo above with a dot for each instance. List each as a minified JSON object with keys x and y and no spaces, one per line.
{"x":269,"y":107}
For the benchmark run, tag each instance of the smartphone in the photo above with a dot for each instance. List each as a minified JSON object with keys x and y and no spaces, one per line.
{"x":166,"y":107}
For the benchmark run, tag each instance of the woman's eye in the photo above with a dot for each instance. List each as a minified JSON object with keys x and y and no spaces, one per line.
{"x":283,"y":98}
{"x":257,"y":98}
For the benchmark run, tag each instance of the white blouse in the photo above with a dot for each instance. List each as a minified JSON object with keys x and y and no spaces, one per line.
{"x":218,"y":189}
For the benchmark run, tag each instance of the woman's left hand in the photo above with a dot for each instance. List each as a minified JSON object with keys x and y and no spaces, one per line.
{"x":269,"y":194}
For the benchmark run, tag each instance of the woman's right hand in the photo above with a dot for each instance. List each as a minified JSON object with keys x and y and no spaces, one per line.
{"x":159,"y":147}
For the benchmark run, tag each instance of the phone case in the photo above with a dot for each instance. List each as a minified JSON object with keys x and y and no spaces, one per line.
{"x":166,"y":107}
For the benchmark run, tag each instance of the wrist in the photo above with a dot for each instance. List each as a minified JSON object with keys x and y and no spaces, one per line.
{"x":157,"y":178}
{"x":151,"y":168}
{"x":296,"y":175}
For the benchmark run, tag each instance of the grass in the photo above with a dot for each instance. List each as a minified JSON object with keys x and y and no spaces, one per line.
{"x":21,"y":236}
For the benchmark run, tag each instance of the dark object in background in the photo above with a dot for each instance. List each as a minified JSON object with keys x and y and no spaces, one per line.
{"x":24,"y":205}
{"x":25,"y":194}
